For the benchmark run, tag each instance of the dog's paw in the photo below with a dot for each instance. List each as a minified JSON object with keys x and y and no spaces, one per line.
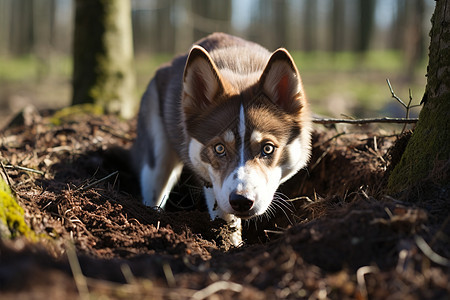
{"x":236,"y":238}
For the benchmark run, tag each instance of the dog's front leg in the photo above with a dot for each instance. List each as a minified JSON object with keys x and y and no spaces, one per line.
{"x":157,"y":162}
{"x":215,"y":212}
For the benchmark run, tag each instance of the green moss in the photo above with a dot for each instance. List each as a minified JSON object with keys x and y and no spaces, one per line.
{"x":427,"y":146}
{"x":71,"y":112}
{"x":12,"y":222}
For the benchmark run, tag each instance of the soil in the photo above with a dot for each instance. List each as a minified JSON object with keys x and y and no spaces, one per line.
{"x":336,"y":235}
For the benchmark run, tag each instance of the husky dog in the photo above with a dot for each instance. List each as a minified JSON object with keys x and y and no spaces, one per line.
{"x":233,"y":113}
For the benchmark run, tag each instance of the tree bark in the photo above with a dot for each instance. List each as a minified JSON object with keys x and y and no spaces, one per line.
{"x":337,"y":28}
{"x":209,"y":16}
{"x":426,"y":156}
{"x":366,"y":24}
{"x":21,"y":28}
{"x":280,"y":21}
{"x":103,"y":56}
{"x":310,"y":26}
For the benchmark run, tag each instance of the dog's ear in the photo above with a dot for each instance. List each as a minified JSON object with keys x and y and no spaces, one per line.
{"x":281,"y":82}
{"x":202,"y":82}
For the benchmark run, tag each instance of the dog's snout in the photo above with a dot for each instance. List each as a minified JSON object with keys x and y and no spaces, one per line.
{"x":240,"y":203}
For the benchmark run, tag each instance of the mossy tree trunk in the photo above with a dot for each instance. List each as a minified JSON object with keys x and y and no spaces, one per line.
{"x":103,"y":72}
{"x":427,"y":153}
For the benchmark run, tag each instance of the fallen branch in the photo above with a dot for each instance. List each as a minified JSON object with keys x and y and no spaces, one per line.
{"x":406,"y":120}
{"x":367,"y":121}
{"x":23,"y":169}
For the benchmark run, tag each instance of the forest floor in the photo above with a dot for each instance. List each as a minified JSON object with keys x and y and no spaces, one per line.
{"x":338,"y":237}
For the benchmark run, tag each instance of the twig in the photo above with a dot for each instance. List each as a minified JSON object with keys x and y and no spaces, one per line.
{"x":24,"y":169}
{"x":306,"y":198}
{"x":111,"y":131}
{"x":266,"y":231}
{"x":406,"y":120}
{"x":99,"y":181}
{"x":407,"y":107}
{"x":319,"y":159}
{"x":169,"y":275}
{"x":215,"y":287}
{"x":394,"y":95}
{"x":6,"y":175}
{"x":363,"y":271}
{"x":128,"y":274}
{"x":428,"y":252}
{"x":80,"y":280}
{"x":379,"y":137}
{"x":366,"y":121}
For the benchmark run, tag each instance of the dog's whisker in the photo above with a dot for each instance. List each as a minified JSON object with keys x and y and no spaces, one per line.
{"x":284,"y":205}
{"x":278,"y":205}
{"x":281,"y":195}
{"x":285,"y":201}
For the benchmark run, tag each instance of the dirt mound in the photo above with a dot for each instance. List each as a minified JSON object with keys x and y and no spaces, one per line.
{"x":334,"y":236}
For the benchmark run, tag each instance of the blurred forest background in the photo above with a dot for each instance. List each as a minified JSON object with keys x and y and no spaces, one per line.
{"x":344,"y":49}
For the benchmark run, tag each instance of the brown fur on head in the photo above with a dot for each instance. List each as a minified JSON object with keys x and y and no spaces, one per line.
{"x":264,"y":109}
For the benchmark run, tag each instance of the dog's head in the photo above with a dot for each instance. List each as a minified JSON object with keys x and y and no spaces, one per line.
{"x":249,"y":131}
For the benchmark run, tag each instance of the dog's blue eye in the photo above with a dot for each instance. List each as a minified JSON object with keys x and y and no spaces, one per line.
{"x":219,"y":149}
{"x":267,"y":149}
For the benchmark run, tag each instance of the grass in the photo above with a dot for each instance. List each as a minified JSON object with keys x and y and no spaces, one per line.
{"x":17,"y":69}
{"x":340,"y":83}
{"x":31,"y":68}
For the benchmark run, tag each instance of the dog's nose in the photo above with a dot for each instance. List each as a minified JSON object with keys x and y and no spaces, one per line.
{"x":240,"y":203}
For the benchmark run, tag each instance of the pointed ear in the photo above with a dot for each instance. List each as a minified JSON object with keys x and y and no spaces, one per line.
{"x":281,"y":82}
{"x":201,"y":80}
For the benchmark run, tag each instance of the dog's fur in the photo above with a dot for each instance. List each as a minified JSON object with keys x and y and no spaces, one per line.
{"x":232,"y":112}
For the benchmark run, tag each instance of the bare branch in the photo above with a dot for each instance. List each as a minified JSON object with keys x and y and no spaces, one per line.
{"x":407,"y":107}
{"x":367,"y":121}
{"x":394,"y":95}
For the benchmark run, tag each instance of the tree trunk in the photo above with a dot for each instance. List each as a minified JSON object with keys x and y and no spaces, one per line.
{"x":337,"y":29}
{"x":310,"y":26}
{"x":280,"y":20}
{"x":21,"y":30}
{"x":366,"y":22}
{"x":398,"y":26}
{"x":5,"y":27}
{"x":43,"y":24}
{"x":103,"y":56}
{"x":210,"y":16}
{"x":165,"y":32}
{"x":414,"y":41}
{"x":427,"y":154}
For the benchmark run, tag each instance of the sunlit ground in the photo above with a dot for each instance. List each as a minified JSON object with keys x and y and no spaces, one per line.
{"x":337,"y":85}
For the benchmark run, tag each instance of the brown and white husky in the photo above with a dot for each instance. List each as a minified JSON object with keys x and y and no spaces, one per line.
{"x":232,"y":112}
